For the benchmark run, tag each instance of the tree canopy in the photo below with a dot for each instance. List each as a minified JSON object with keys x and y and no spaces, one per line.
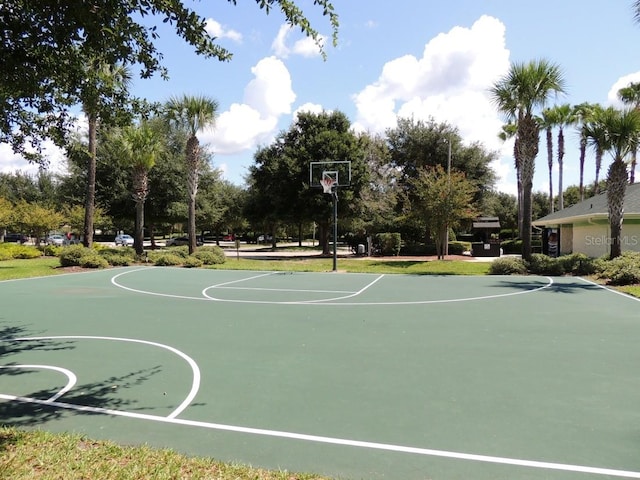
{"x":48,"y":44}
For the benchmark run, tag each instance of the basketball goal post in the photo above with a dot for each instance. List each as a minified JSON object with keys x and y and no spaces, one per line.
{"x":329,"y":176}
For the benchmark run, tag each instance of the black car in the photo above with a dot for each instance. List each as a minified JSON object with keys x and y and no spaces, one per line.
{"x":16,"y":238}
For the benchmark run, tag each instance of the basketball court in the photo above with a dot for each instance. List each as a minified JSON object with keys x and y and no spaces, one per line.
{"x":346,"y":375}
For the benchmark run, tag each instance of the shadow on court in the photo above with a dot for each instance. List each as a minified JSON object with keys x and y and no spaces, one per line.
{"x":94,"y":394}
{"x":564,"y":287}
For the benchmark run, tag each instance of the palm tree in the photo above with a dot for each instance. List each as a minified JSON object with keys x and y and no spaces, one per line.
{"x":582,"y":114}
{"x":508,"y":131}
{"x":548,"y":121}
{"x":564,"y":116}
{"x":106,"y":85}
{"x":596,"y":137}
{"x":630,"y":95}
{"x":526,"y":87}
{"x":138,"y":147}
{"x":192,"y":114}
{"x":621,"y":132}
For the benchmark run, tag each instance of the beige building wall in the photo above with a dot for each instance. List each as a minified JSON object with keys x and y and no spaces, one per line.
{"x":594,"y":240}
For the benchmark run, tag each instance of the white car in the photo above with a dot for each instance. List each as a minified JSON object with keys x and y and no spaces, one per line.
{"x":124,"y":240}
{"x":57,"y":240}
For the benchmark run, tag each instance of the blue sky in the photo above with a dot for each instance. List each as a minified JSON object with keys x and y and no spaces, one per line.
{"x":420,"y":58}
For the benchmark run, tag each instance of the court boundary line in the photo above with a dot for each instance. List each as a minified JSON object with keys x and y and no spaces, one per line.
{"x":334,"y":440}
{"x":604,"y":287}
{"x":329,"y":301}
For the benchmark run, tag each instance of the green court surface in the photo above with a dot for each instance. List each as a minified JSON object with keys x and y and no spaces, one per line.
{"x":353,"y":376}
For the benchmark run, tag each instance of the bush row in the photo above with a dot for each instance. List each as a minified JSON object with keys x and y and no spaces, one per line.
{"x":623,"y":270}
{"x":78,"y":255}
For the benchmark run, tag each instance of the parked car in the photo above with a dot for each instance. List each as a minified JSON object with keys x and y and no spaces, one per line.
{"x":124,"y":240}
{"x":180,"y":241}
{"x":229,"y":238}
{"x":16,"y":237}
{"x":55,"y":239}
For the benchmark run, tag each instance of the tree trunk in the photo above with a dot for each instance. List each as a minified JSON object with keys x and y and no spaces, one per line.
{"x":138,"y":240}
{"x":560,"y":170}
{"x":583,"y":154}
{"x":192,"y":152}
{"x":528,"y":150}
{"x":596,"y":189}
{"x":140,"y":191}
{"x":323,"y":236}
{"x":550,"y":163}
{"x":616,"y":187}
{"x":90,"y":198}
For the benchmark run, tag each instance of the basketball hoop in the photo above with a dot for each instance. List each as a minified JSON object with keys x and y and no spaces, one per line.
{"x":327,"y":182}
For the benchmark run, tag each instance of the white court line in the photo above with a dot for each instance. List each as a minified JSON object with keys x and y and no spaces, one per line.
{"x":354,"y":294}
{"x":604,"y":287}
{"x":195,"y":384}
{"x":71,"y":378}
{"x":281,"y":290}
{"x":337,"y":441}
{"x":326,"y":301}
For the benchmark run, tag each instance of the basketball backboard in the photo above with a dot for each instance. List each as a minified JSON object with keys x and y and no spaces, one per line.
{"x":338,"y":170}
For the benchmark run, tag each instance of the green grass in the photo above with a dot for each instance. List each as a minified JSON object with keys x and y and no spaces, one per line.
{"x":631,"y":290}
{"x":34,"y":267}
{"x":38,"y":455}
{"x":416,"y":267}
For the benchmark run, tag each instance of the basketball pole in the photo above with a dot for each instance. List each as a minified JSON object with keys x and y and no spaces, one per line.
{"x":334,"y":194}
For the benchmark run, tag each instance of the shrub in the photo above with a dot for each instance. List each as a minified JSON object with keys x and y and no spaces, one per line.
{"x":181,"y":251}
{"x":578,"y":264}
{"x":5,"y":255}
{"x":192,"y":262}
{"x":210,"y":255}
{"x":623,"y":270}
{"x":511,"y":247}
{"x":51,"y":250}
{"x":389,"y":243}
{"x":70,"y":256}
{"x":117,"y":260}
{"x":167,"y":260}
{"x":508,"y":266}
{"x":25,"y":251}
{"x":119,"y":257}
{"x":544,"y":265}
{"x":458,"y":248}
{"x":93,"y":260}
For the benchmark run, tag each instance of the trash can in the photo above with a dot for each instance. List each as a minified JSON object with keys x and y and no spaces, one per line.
{"x":360,"y":249}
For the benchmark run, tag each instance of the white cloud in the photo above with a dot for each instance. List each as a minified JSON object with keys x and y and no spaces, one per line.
{"x":246,"y":125}
{"x":622,"y":82}
{"x":305,"y":47}
{"x":216,"y":30}
{"x":239,"y":128}
{"x":308,"y":107}
{"x":449,"y":83}
{"x":55,"y":160}
{"x":270,"y":92}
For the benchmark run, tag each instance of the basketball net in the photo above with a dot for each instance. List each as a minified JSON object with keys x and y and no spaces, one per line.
{"x":327,"y":183}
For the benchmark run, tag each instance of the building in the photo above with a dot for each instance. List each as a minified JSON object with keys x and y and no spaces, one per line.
{"x":584,"y":227}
